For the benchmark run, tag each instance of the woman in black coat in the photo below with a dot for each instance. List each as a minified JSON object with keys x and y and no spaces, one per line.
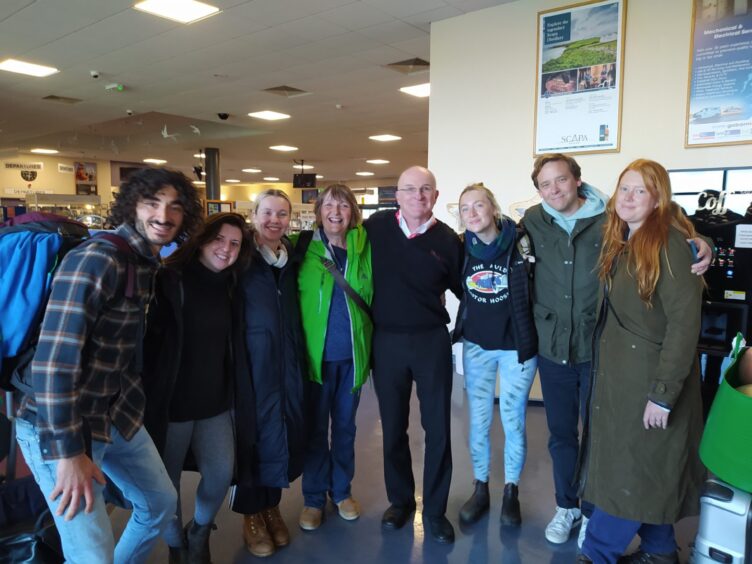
{"x":275,"y":352}
{"x":189,"y":371}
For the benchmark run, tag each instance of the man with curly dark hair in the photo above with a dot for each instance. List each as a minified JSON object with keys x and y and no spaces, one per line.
{"x":144,"y":183}
{"x":86,"y":412}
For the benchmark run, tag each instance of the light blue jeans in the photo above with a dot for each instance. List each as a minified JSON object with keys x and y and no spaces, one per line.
{"x":136,"y":468}
{"x":481,"y":367}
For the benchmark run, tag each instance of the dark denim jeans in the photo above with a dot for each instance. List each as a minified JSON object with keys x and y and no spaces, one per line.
{"x":565,"y":390}
{"x":608,"y":537}
{"x":330,"y":467}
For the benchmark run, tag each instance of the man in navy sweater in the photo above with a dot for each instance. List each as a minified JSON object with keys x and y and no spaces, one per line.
{"x":416,"y":258}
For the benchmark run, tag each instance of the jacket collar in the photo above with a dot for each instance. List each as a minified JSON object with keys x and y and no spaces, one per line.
{"x":137,"y":242}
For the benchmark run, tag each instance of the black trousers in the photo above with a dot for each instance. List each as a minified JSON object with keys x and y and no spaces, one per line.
{"x":425,"y":358}
{"x":249,"y":500}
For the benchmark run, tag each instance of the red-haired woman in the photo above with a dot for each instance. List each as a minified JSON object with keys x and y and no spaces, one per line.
{"x":641,"y":467}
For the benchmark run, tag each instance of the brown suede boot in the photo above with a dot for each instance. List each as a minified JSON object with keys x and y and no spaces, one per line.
{"x":256,"y":536}
{"x":276,"y":526}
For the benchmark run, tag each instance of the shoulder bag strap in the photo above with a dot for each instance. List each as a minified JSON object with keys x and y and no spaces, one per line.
{"x":346,"y":288}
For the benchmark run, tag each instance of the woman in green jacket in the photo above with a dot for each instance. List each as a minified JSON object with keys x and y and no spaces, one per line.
{"x":338,"y":331}
{"x":642,"y":470}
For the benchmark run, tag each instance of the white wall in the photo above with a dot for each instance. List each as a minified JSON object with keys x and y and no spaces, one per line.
{"x":482,"y":99}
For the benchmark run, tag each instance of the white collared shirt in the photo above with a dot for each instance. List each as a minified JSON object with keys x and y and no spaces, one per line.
{"x":421,"y":228}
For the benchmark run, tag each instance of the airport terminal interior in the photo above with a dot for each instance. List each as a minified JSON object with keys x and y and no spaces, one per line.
{"x":299,"y":94}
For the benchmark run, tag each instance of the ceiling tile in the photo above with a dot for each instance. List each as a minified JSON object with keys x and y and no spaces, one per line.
{"x":356,"y":16}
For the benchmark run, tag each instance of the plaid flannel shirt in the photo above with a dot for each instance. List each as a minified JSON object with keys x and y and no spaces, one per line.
{"x":84,"y":366}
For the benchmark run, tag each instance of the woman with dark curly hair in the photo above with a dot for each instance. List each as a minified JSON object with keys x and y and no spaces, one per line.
{"x":189,"y":371}
{"x":144,"y":184}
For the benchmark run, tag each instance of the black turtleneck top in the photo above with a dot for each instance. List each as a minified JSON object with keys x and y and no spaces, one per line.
{"x":203,"y":383}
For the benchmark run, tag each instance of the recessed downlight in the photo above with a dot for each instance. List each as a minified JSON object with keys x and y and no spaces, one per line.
{"x":251,"y":170}
{"x":319,"y":176}
{"x":304,"y":167}
{"x":364,"y":173}
{"x":40,"y":151}
{"x":155,"y":161}
{"x":232,"y":181}
{"x":199,"y":155}
{"x":271,"y":178}
{"x":269,"y":115}
{"x":283,"y":148}
{"x":385,"y":137}
{"x":183,"y":11}
{"x":377,"y":161}
{"x":29,"y":69}
{"x":418,"y":90}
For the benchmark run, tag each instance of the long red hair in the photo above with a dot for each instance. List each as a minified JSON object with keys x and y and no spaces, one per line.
{"x":645,"y":245}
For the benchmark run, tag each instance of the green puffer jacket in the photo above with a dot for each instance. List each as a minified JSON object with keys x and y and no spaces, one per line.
{"x":316,"y":287}
{"x":565,"y":284}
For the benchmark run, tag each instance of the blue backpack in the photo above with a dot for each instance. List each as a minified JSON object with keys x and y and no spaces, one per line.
{"x":31,"y":248}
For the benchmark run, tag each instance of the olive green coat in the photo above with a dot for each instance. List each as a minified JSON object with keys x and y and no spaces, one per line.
{"x":652,"y":476}
{"x":565,"y":287}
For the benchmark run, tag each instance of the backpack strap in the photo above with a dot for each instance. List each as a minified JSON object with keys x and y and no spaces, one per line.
{"x":124,"y":248}
{"x":130,"y":270}
{"x":304,"y":240}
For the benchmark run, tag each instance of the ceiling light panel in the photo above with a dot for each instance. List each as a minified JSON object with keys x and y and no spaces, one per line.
{"x":283,"y":148}
{"x":377,"y":161}
{"x":183,"y":11}
{"x":384,"y":137}
{"x":155,"y":161}
{"x":303,"y":167}
{"x":251,"y":170}
{"x":30,"y":69}
{"x":269,"y":115}
{"x":364,"y":173}
{"x":271,"y":178}
{"x":41,"y":151}
{"x":419,"y":90}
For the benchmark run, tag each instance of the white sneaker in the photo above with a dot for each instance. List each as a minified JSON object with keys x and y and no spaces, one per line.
{"x":560,"y":527}
{"x":583,"y":532}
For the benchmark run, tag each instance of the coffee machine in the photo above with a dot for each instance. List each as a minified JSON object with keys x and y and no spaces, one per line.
{"x":719,"y":204}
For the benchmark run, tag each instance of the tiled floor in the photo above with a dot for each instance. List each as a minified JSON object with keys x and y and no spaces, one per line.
{"x":363,"y":542}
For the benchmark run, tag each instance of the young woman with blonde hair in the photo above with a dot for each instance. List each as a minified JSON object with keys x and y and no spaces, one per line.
{"x":496,"y":324}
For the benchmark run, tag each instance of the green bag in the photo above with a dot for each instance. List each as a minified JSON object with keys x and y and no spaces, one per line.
{"x":726,"y":447}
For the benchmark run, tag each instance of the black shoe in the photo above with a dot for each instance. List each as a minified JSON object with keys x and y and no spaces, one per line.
{"x":641,"y":557}
{"x":197,"y":537}
{"x":510,"y":506}
{"x":178,"y":555}
{"x":396,"y":516}
{"x":582,"y":559}
{"x":440,"y":528}
{"x":477,"y":505}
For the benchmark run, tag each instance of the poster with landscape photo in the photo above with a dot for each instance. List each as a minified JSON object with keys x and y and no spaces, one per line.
{"x":578,"y":78}
{"x":719,"y":104}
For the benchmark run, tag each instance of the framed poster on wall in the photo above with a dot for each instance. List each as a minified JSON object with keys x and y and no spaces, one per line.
{"x":719,"y":101}
{"x":217,"y":206}
{"x":85,"y":175}
{"x":579,"y":78}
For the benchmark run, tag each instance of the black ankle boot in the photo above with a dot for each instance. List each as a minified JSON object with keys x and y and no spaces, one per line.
{"x":510,"y":506}
{"x":197,"y":537}
{"x":178,"y":555}
{"x":477,"y":505}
